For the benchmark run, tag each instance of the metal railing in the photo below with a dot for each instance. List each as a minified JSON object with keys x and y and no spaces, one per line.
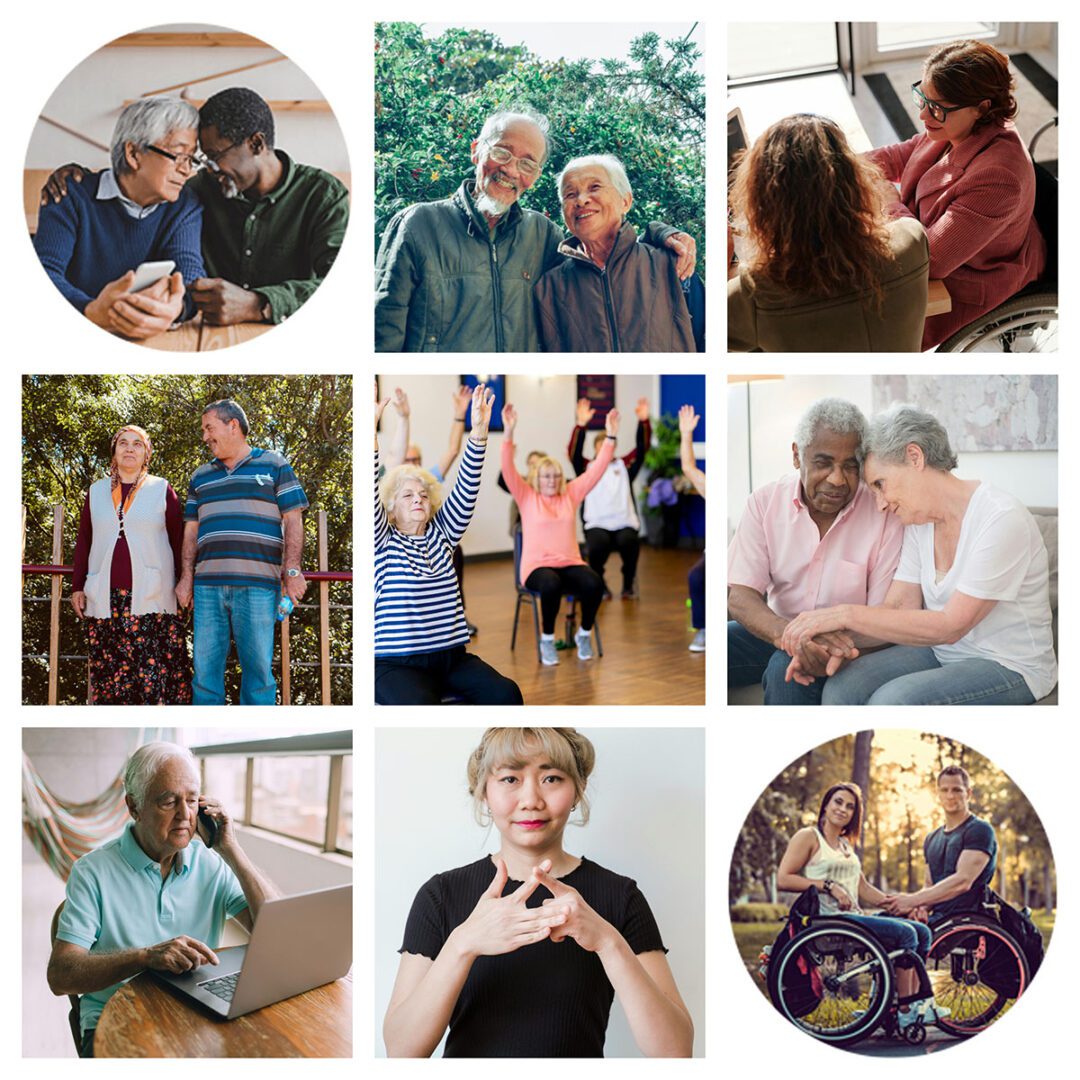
{"x":322,"y":577}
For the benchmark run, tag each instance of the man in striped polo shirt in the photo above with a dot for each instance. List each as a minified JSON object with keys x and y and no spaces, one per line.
{"x":243,"y":540}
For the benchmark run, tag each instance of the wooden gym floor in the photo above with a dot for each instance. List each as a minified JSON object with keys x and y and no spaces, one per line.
{"x":645,"y":661}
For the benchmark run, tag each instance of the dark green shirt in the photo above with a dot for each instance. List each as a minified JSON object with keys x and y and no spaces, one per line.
{"x":281,"y":245}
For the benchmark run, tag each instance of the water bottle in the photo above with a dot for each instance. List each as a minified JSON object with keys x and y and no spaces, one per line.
{"x":284,"y":608}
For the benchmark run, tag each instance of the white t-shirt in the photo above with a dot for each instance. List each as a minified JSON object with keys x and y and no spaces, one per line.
{"x":1000,"y":556}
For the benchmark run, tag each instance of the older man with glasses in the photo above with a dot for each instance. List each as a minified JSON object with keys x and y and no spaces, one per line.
{"x":457,"y":275}
{"x":137,"y":211}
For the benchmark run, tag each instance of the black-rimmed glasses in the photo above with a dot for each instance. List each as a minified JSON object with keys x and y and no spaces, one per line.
{"x":185,"y":162}
{"x":938,"y":112}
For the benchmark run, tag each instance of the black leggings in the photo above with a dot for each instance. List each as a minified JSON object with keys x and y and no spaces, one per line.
{"x":426,"y":678}
{"x":696,"y":581}
{"x":602,"y":542}
{"x":552,"y":582}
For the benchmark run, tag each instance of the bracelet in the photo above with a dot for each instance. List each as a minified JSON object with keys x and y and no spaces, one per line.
{"x":827,"y":887}
{"x":459,"y":419}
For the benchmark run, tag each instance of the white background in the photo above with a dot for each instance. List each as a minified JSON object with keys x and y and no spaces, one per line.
{"x":331,"y":42}
{"x":646,"y":822}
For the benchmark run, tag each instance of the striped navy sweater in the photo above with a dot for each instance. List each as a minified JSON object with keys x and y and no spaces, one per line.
{"x":418,"y":605}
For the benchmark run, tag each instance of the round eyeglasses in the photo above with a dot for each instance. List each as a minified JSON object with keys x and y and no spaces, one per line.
{"x":938,"y":112}
{"x":525,"y":165}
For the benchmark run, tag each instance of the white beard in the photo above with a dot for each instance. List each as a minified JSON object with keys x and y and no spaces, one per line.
{"x":491,"y":207}
{"x":229,"y":188}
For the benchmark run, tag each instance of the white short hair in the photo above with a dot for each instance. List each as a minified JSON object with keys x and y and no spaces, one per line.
{"x":147,"y":121}
{"x":496,"y":124}
{"x":835,"y":415}
{"x":608,"y":162}
{"x":892,"y":431}
{"x":145,"y":763}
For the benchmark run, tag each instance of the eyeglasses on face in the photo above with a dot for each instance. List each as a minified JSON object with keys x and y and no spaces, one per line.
{"x":184,"y":162}
{"x":211,"y":160}
{"x":525,"y":165}
{"x":938,"y":112}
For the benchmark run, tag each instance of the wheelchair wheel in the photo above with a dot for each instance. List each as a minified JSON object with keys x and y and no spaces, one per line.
{"x":1024,"y":324}
{"x":834,"y":981}
{"x":978,"y":971}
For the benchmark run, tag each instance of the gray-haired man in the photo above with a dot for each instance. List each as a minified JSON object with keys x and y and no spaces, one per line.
{"x":812,"y":539}
{"x":457,"y":275}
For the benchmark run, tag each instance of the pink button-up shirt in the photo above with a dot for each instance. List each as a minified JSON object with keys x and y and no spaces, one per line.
{"x":777,"y":550}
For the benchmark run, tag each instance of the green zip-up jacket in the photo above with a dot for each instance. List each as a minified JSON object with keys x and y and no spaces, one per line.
{"x":282,"y":245}
{"x":445,"y":283}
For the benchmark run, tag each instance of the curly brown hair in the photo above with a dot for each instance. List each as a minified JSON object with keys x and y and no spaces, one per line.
{"x":970,"y":72}
{"x":814,"y":210}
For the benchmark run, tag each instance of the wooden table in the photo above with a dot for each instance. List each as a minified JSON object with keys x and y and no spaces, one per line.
{"x":145,"y":1018}
{"x":197,"y":336}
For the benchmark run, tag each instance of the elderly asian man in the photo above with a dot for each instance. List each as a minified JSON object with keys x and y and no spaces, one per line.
{"x":272,"y":227}
{"x":457,"y":275}
{"x":803,"y":542}
{"x":154,"y":899}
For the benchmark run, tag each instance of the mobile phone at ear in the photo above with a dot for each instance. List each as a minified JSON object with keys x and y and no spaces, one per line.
{"x":150,"y":272}
{"x":207,"y":823}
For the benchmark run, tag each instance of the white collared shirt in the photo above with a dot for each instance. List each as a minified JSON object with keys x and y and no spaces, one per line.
{"x":108,"y":188}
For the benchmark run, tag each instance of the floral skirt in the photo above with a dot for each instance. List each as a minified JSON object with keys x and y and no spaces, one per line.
{"x":138,"y":659}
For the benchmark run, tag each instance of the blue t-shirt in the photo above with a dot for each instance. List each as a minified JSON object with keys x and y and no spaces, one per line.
{"x":117,"y":899}
{"x":942,"y":851}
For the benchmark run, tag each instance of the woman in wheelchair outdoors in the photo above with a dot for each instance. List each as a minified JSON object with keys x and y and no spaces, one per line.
{"x":821,"y":857}
{"x":969,"y":179}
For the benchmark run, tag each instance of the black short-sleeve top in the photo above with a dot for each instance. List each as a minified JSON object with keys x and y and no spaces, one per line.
{"x":550,"y":999}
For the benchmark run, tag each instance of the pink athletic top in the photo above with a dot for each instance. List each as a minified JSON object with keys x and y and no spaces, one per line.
{"x":777,"y":550}
{"x":549,"y":522}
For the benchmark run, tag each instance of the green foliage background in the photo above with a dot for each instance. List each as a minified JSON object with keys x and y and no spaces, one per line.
{"x":68,"y":421}
{"x":432,"y":96}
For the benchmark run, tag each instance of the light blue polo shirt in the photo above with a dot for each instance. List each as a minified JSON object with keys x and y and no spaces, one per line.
{"x":116,"y":899}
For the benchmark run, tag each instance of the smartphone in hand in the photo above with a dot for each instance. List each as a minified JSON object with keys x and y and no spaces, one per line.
{"x":208,"y":828}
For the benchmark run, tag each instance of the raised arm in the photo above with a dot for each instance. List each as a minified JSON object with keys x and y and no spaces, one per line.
{"x":382,"y":525}
{"x":580,"y":486}
{"x":515,"y":482}
{"x":688,"y":420}
{"x":642,"y":437}
{"x":461,"y":398}
{"x":399,"y":443}
{"x":576,"y":450}
{"x":455,"y":514}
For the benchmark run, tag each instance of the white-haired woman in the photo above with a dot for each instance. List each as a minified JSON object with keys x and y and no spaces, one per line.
{"x":139,"y":210}
{"x":521,"y":954}
{"x":968,"y":611}
{"x":610,"y":293}
{"x":420,"y":628}
{"x":126,"y":565}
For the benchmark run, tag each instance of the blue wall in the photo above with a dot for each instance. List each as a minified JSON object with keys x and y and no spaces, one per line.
{"x":675,"y":391}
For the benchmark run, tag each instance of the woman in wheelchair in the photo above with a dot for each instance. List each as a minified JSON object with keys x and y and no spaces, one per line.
{"x":969,"y":179}
{"x":820,"y":857}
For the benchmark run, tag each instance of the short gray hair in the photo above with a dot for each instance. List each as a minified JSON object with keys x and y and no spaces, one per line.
{"x":497,"y":123}
{"x":608,"y":162}
{"x":145,"y":763}
{"x":225,"y":410}
{"x":900,"y":425}
{"x":147,"y":121}
{"x":836,"y":415}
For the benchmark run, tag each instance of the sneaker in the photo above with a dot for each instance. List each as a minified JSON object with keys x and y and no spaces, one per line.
{"x":583,"y":638}
{"x":924,"y":1010}
{"x":631,"y":593}
{"x":548,"y":653}
{"x":471,"y":627}
{"x":607,"y":593}
{"x":698,"y":644}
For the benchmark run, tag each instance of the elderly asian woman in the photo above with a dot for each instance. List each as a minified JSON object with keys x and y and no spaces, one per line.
{"x":420,"y":628}
{"x":127,"y":562}
{"x":137,"y":211}
{"x":610,"y":294}
{"x":968,"y":612}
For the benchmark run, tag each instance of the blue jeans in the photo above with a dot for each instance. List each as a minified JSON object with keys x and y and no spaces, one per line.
{"x":751,"y":660}
{"x":895,"y":933}
{"x":913,"y":675}
{"x":248,"y":615}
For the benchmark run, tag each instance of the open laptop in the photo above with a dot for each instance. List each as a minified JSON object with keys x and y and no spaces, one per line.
{"x":298,"y":943}
{"x":737,"y":138}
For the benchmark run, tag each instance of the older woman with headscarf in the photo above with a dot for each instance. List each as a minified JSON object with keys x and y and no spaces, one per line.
{"x":610,"y":294}
{"x":138,"y":211}
{"x":127,"y":562}
{"x":968,"y":611}
{"x":420,"y":628}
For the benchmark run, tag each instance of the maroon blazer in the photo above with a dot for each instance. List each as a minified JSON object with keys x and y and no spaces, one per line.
{"x":975,"y":201}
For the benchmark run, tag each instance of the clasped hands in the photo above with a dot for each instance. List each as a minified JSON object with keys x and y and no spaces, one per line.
{"x":906,"y":906}
{"x":818,"y":644}
{"x":502,"y":924}
{"x":137,"y":315}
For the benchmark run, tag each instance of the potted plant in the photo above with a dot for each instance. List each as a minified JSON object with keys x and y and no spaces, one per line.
{"x":660,"y":496}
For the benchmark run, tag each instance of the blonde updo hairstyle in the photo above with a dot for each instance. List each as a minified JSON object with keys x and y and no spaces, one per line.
{"x":394,"y":479}
{"x":500,"y":748}
{"x":534,"y":474}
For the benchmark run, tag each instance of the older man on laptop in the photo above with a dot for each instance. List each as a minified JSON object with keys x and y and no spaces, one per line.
{"x":152,"y":899}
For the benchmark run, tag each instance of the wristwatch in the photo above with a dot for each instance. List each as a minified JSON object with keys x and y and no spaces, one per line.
{"x":827,"y":887}
{"x":293,"y":571}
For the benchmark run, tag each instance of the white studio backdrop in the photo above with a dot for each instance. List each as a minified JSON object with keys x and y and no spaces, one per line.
{"x":647,"y":822}
{"x":546,"y":417}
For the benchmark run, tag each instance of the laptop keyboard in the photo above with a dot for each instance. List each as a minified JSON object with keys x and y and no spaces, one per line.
{"x":223,"y":988}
